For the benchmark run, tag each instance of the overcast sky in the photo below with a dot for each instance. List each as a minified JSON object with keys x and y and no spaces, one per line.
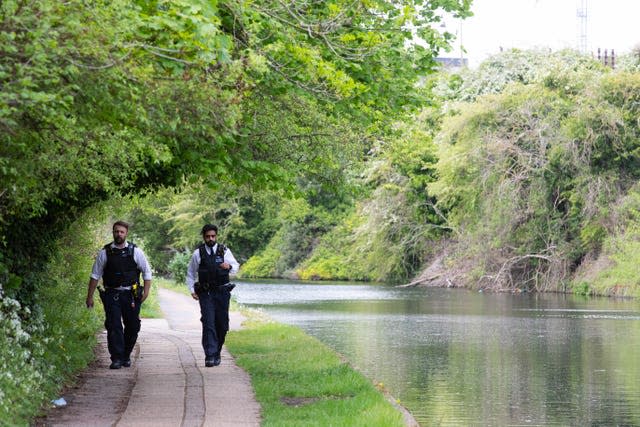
{"x":611,"y":24}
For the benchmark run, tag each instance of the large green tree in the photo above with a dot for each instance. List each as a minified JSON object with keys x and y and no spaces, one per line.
{"x":112,"y":97}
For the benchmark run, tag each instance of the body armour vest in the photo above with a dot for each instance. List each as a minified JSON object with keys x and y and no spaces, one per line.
{"x":209,"y":271}
{"x":121,"y":268}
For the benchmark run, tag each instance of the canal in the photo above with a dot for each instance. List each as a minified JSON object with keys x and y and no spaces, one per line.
{"x":461,"y":358}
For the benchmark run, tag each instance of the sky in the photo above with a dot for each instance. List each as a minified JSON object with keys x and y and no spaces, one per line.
{"x":611,"y":24}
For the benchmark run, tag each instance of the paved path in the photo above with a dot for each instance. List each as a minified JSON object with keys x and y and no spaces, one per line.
{"x":167,"y":384}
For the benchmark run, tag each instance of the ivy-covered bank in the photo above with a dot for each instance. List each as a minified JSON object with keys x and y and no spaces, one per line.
{"x":521,"y":176}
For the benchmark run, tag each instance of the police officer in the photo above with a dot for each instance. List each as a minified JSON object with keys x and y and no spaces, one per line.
{"x":208,"y":281}
{"x":119,"y":264}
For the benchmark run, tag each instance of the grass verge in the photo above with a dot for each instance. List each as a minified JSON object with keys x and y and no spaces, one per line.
{"x":301,"y":382}
{"x":151,"y":307}
{"x":182,"y":289}
{"x":172,"y":286}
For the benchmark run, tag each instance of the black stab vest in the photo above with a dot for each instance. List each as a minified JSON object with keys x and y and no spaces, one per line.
{"x":121,"y":268}
{"x":209,"y":271}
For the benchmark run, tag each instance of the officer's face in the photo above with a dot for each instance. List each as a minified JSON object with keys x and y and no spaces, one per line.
{"x":210,"y":238}
{"x":119,"y":234}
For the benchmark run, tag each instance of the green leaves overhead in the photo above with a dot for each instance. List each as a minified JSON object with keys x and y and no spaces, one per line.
{"x":355,"y":51}
{"x":183,"y":33}
{"x":118,"y":95}
{"x":104,"y":98}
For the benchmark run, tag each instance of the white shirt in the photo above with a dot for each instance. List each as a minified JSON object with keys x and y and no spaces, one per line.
{"x":192,"y":270}
{"x":138,"y":257}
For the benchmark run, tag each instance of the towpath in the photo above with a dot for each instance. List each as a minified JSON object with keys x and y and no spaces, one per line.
{"x":167,"y":383}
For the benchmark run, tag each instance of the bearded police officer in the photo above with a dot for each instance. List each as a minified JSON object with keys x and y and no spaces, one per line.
{"x":208,"y":281}
{"x":119,"y":264}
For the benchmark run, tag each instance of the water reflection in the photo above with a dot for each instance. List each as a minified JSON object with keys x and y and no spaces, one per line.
{"x":463,"y":358}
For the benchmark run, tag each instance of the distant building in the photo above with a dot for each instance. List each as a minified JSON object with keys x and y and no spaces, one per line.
{"x":452,"y":63}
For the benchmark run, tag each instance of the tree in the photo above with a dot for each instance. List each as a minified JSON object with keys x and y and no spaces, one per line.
{"x":106,"y":98}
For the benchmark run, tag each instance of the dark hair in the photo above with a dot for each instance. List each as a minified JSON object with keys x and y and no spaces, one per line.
{"x":209,"y":227}
{"x":121,"y":224}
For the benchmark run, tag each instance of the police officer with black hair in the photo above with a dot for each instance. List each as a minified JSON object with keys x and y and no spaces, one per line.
{"x":208,"y":281}
{"x":119,"y":264}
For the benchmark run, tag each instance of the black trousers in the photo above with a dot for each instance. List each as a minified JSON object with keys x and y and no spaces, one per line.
{"x":122,"y":322}
{"x":214,"y":311}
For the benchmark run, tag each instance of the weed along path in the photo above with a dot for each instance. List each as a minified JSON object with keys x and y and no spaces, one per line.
{"x":167,"y":383}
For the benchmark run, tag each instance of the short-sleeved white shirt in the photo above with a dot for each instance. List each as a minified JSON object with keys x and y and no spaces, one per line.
{"x":138,"y":256}
{"x":192,"y":270}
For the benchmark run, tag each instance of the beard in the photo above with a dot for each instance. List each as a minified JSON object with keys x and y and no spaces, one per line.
{"x":118,"y":240}
{"x":211,"y":244}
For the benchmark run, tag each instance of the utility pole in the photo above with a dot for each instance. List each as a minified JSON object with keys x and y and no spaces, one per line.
{"x":582,"y":15}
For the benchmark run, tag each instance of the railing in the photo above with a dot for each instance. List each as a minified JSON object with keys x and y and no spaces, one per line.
{"x":609,"y":61}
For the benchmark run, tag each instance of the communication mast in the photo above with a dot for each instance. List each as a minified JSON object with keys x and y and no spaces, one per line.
{"x":581,"y":14}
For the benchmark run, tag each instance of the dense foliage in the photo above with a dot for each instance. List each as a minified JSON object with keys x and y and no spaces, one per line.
{"x":42,"y":345}
{"x":529,"y":176}
{"x":383,"y":238}
{"x":520,"y":175}
{"x":115,"y":97}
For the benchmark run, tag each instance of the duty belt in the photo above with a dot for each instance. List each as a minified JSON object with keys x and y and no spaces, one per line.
{"x":119,"y":288}
{"x":211,"y":286}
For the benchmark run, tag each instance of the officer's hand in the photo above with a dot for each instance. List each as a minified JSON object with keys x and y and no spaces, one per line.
{"x":226,"y":266}
{"x":145,"y":295}
{"x":89,"y":302}
{"x":194,"y":296}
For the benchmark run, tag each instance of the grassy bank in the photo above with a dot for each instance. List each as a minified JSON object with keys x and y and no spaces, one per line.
{"x":173,"y":286}
{"x":151,"y":307}
{"x":301,"y":382}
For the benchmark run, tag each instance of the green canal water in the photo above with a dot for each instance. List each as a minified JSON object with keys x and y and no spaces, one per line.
{"x":462,"y":358}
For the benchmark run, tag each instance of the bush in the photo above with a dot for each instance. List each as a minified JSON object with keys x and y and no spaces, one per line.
{"x":527,"y":178}
{"x":615,"y":271}
{"x":261,"y":265}
{"x":178,"y":266}
{"x":324,"y":265}
{"x":21,"y":344}
{"x":41,"y":346}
